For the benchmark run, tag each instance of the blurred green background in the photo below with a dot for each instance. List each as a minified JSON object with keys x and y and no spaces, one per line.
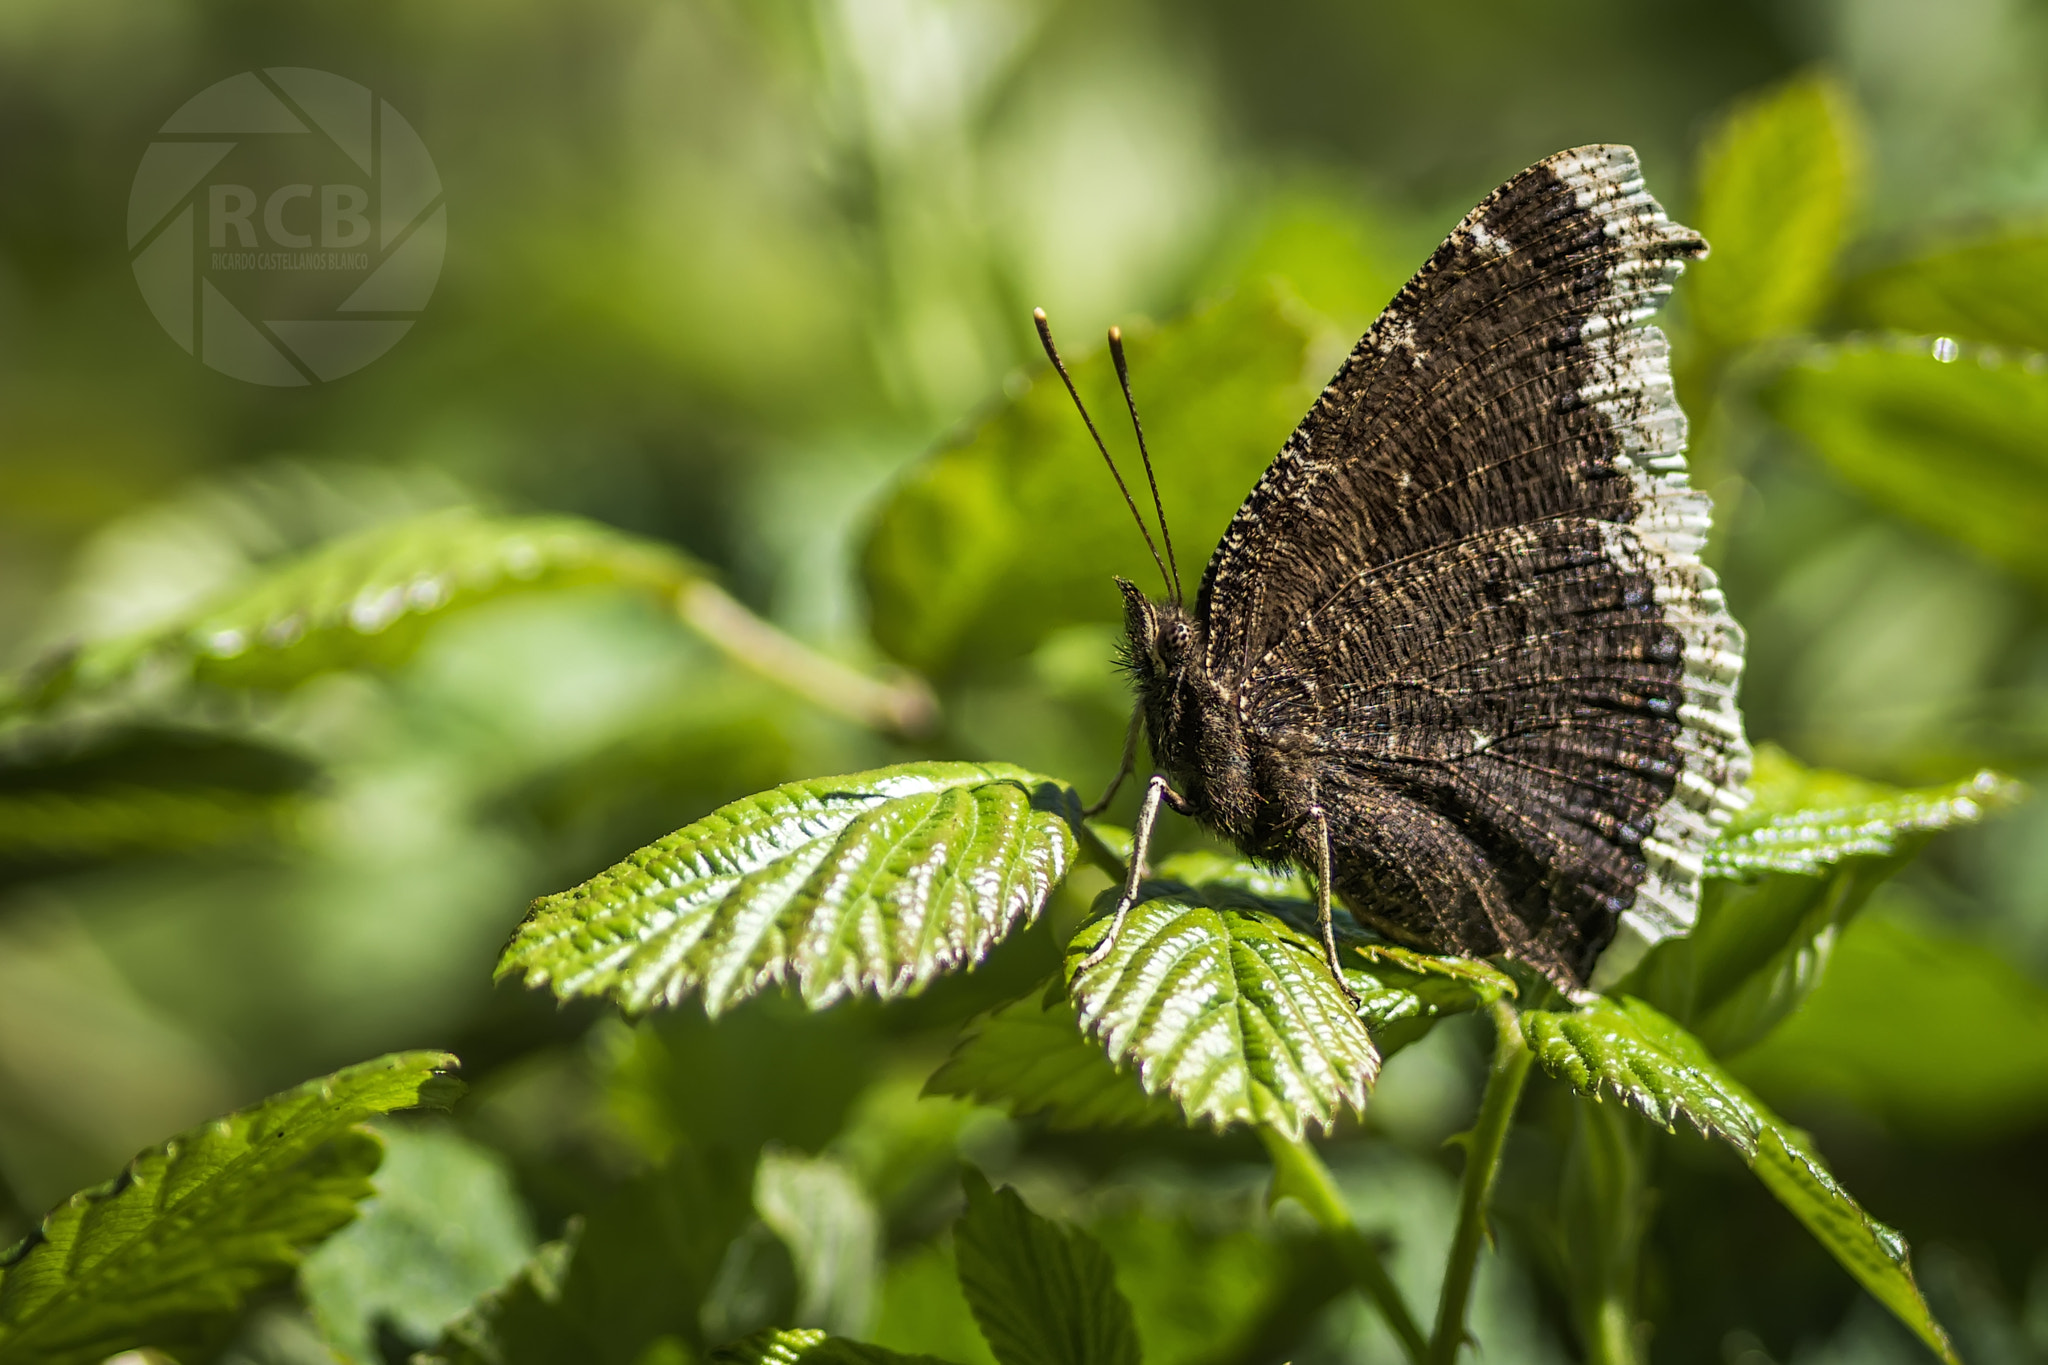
{"x":718,"y":273}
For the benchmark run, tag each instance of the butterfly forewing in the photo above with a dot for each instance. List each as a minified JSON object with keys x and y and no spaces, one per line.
{"x":1465,"y":602}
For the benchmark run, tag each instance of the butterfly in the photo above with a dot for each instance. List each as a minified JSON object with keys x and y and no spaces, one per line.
{"x":1456,"y":654}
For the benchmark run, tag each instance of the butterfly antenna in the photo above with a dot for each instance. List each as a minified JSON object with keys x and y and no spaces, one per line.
{"x":1052,"y":353}
{"x":1123,"y":377}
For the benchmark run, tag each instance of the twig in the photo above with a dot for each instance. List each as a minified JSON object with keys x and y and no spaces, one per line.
{"x":903,"y":706}
{"x":1299,"y":1174}
{"x":1483,"y":1145}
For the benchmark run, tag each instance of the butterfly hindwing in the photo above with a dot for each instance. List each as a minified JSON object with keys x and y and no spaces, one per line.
{"x":1469,"y":586}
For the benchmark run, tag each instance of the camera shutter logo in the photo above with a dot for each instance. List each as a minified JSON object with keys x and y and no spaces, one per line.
{"x":286,"y":226}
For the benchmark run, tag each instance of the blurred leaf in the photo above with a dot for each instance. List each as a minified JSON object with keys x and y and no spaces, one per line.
{"x":1625,"y":1048}
{"x":681,"y":1077}
{"x":1199,"y":1293}
{"x":833,"y":1233}
{"x":361,"y":600}
{"x":444,"y":1226}
{"x":802,"y":1346}
{"x":520,"y":1323}
{"x":876,"y":882}
{"x":627,"y":1279}
{"x":1941,"y":1037}
{"x":1230,"y":1011}
{"x":160,"y":1255}
{"x":1808,"y":851}
{"x":1604,"y":1203}
{"x":1804,"y":819}
{"x":989,"y":546}
{"x":1958,"y":445}
{"x":1994,"y":289}
{"x":1030,"y":1057}
{"x":1044,"y":1293}
{"x":924,"y":1310}
{"x":1777,"y":180}
{"x":53,"y":826}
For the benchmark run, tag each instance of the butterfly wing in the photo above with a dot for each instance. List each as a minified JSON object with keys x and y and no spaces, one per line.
{"x":1470,"y":584}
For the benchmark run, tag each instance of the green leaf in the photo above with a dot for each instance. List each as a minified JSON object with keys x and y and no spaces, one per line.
{"x":1950,"y":439}
{"x":158,"y":1256}
{"x":833,"y":1233}
{"x":1044,"y":1293}
{"x":873,"y":883}
{"x":924,"y":1311}
{"x":1803,"y":820}
{"x":360,"y":600}
{"x":1777,"y":181}
{"x":1230,"y":1011}
{"x":1810,"y":849}
{"x":989,"y":546}
{"x":805,"y":1346}
{"x":39,"y":826}
{"x":630,"y":1278}
{"x":1993,"y":289}
{"x":1202,"y":1286}
{"x":1629,"y":1050}
{"x":445,"y":1227}
{"x":1942,"y":1038}
{"x":1030,"y":1057}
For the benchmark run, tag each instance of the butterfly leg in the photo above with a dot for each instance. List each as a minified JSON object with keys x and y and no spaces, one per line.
{"x":1321,"y":822}
{"x":1130,"y":762}
{"x":1157,"y":792}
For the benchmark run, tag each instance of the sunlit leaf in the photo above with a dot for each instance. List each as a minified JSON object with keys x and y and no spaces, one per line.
{"x":1803,"y":819}
{"x":1991,"y":289}
{"x":1230,"y":1011}
{"x":1955,"y":440}
{"x":1941,"y":1037}
{"x":1031,"y":1058}
{"x":445,"y":1227}
{"x":990,"y":545}
{"x":1777,"y":181}
{"x":160,"y":1255}
{"x":807,"y":1346}
{"x":872,"y":883}
{"x":359,"y":600}
{"x":1626,"y":1049}
{"x":1807,"y":854}
{"x":1044,"y":1293}
{"x":833,"y":1233}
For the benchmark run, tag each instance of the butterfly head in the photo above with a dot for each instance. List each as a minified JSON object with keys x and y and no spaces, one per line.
{"x":1160,"y":641}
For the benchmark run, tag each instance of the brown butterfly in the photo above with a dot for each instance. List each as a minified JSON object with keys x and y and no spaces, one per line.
{"x":1457,"y":654}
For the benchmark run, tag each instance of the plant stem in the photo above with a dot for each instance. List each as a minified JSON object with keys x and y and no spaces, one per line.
{"x":904,"y":706}
{"x":1299,"y":1174}
{"x":1483,"y":1145}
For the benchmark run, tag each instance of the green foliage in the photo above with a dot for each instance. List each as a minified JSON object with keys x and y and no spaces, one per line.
{"x":1953,"y":439}
{"x":405,"y":1264}
{"x":1809,"y":850}
{"x":1230,"y":1012}
{"x":1898,"y":1033}
{"x":1804,"y":820}
{"x":362,"y":600}
{"x":871,"y":883}
{"x":1992,"y":289}
{"x":1628,"y":1050}
{"x":988,"y":547}
{"x":833,"y":1234}
{"x":1044,"y":1294}
{"x":163,"y":1254}
{"x":1777,"y":181}
{"x":1031,"y":1058}
{"x":808,"y":1346}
